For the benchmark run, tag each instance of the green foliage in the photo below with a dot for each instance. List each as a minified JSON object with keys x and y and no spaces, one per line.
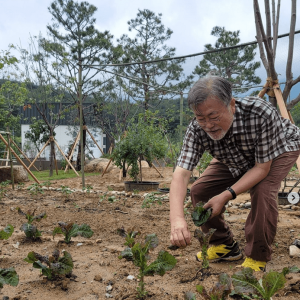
{"x":129,"y":235}
{"x":8,"y":276}
{"x":30,"y":230}
{"x":189,"y":296}
{"x":47,"y":184}
{"x":70,"y":230}
{"x":219,"y":291}
{"x":200,"y":215}
{"x":3,"y":189}
{"x":35,"y":189}
{"x":237,"y":65}
{"x":151,"y":199}
{"x":144,"y":140}
{"x":88,"y":188}
{"x":139,"y":255}
{"x":245,"y":282}
{"x":65,"y":190}
{"x":52,"y":266}
{"x":150,"y":43}
{"x":204,"y":162}
{"x":6,"y":232}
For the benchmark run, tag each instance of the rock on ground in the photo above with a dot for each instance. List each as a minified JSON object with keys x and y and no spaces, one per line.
{"x":98,"y":165}
{"x":20,"y":174}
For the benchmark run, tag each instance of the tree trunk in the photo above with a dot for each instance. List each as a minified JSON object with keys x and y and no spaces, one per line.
{"x":51,"y":153}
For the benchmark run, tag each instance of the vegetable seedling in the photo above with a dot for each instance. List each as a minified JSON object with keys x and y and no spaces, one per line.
{"x":30,"y":230}
{"x":139,"y":254}
{"x":35,"y":189}
{"x":151,"y":199}
{"x":70,"y":230}
{"x":201,"y":215}
{"x":6,"y":232}
{"x":129,"y":235}
{"x":219,"y":291}
{"x":65,"y":190}
{"x":3,"y":189}
{"x":51,"y":266}
{"x":8,"y":276}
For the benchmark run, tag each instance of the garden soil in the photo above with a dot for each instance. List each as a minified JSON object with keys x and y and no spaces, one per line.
{"x":98,"y":272}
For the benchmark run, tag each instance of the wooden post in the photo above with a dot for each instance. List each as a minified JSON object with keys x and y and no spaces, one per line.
{"x":39,"y":154}
{"x":66,"y":158}
{"x":264,"y":90}
{"x":11,"y":162}
{"x":157,"y":171}
{"x":72,"y":150}
{"x":24,"y":154}
{"x":94,"y":140}
{"x":106,"y":167}
{"x":19,"y":159}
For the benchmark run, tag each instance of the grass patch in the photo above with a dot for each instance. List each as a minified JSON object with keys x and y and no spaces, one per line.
{"x":44,"y":175}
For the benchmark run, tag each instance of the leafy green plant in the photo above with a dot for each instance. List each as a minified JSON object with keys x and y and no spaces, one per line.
{"x":47,"y":184}
{"x":189,"y":296}
{"x":204,"y":239}
{"x":3,"y":189}
{"x":35,"y":189}
{"x":70,"y":230}
{"x":245,"y":282}
{"x":139,"y":255}
{"x":65,"y":190}
{"x":151,"y":199}
{"x":8,"y":276}
{"x":201,"y":215}
{"x":88,"y":188}
{"x":135,"y":192}
{"x":30,"y":230}
{"x":52,"y":266}
{"x":129,"y":235}
{"x":144,"y":140}
{"x":20,"y":185}
{"x":219,"y":291}
{"x":6,"y":232}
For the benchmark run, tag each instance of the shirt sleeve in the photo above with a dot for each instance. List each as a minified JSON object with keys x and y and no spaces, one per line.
{"x":271,"y":140}
{"x":191,"y":150}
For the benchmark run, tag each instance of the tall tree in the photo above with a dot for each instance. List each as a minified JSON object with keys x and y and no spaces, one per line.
{"x":267,"y":40}
{"x":75,"y":44}
{"x":237,"y":65}
{"x":149,"y":43}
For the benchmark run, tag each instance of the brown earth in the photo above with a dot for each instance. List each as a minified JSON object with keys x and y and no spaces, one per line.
{"x":96,"y":262}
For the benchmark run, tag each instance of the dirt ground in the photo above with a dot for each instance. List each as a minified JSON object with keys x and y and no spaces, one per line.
{"x":96,"y":264}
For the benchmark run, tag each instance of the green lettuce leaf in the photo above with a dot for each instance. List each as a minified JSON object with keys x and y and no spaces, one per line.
{"x":200,"y":215}
{"x":8,"y":276}
{"x":6,"y":232}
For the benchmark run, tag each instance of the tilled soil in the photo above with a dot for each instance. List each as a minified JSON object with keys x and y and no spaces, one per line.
{"x":96,"y":262}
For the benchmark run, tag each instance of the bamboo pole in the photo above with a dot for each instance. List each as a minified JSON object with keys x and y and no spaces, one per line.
{"x":264,"y":90}
{"x":65,"y":158}
{"x":106,"y":167}
{"x":19,"y":159}
{"x":23,"y":154}
{"x":73,"y":149}
{"x":11,"y":162}
{"x":39,"y":154}
{"x":94,"y":141}
{"x":157,"y":171}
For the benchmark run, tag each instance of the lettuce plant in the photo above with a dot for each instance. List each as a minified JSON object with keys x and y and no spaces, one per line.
{"x":6,"y":232}
{"x":151,"y":199}
{"x":245,"y":282}
{"x":129,"y":235}
{"x":30,"y":230}
{"x":139,"y":255}
{"x":8,"y":276}
{"x":219,"y":291}
{"x":65,"y":190}
{"x":51,"y":266}
{"x":70,"y":230}
{"x":35,"y":189}
{"x":3,"y":186}
{"x":201,"y":215}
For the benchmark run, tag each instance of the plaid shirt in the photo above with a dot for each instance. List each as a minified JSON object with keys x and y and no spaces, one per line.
{"x":258,"y":134}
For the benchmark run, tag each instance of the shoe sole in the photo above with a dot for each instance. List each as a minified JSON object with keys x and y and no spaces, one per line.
{"x":229,"y":258}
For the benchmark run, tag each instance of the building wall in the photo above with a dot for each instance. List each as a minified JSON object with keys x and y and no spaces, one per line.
{"x":65,"y":138}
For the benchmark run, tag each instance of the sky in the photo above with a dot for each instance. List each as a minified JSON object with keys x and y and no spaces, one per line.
{"x":190,"y":20}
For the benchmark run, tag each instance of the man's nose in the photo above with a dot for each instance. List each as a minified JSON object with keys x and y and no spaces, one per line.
{"x":209,"y":124}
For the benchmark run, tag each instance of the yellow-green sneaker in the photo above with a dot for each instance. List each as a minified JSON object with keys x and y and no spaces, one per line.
{"x":254,"y":264}
{"x":222,"y":252}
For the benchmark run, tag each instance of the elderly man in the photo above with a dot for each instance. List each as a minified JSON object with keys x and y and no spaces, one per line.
{"x":253,"y":148}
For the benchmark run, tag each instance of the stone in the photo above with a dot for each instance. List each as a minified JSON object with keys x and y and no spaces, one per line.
{"x":294,"y":251}
{"x":130,"y":277}
{"x":98,"y":277}
{"x":20,"y":174}
{"x":109,"y":288}
{"x":286,"y":206}
{"x":294,"y":207}
{"x":98,"y":165}
{"x":107,"y":295}
{"x":98,"y":241}
{"x":247,"y":205}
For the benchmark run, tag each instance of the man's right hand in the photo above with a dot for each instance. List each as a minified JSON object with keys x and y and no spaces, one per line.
{"x":180,"y":234}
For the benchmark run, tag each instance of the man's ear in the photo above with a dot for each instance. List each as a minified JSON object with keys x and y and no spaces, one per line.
{"x":232,"y":105}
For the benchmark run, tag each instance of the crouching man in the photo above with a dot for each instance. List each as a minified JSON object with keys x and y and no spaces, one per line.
{"x":253,"y":148}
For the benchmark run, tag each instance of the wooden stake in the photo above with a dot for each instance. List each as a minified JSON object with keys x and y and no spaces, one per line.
{"x":106,"y":167}
{"x":73,"y":149}
{"x":39,"y":154}
{"x":94,"y":141}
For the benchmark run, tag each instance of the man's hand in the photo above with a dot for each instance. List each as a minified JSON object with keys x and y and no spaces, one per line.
{"x":180,"y":235}
{"x":217,"y":204}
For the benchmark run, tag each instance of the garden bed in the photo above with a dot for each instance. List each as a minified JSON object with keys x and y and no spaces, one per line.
{"x":96,"y":265}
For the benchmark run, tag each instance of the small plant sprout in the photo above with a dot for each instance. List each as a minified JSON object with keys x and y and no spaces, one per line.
{"x":35,"y":189}
{"x":52,"y":266}
{"x":20,"y":186}
{"x":151,"y":199}
{"x":65,"y":190}
{"x":6,"y":232}
{"x":3,"y":189}
{"x":139,"y":254}
{"x":245,"y":282}
{"x":135,"y":192}
{"x":30,"y":230}
{"x":47,"y":184}
{"x":70,"y":230}
{"x":219,"y":291}
{"x":129,"y":235}
{"x":88,"y":189}
{"x":189,"y":296}
{"x":8,"y":276}
{"x":204,"y":239}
